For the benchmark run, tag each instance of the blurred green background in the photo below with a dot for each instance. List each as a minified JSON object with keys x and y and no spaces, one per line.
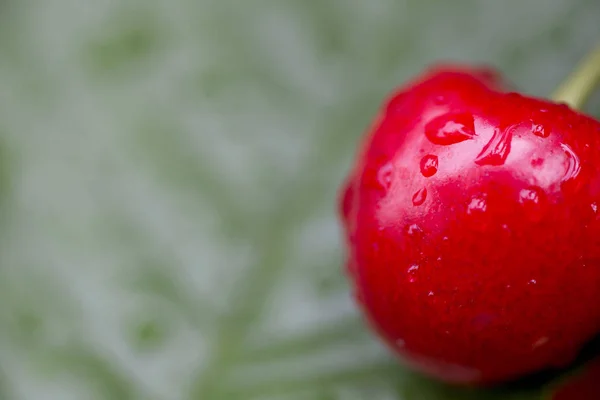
{"x":168,"y":175}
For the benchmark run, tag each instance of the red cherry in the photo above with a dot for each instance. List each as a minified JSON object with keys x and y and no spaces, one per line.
{"x":473,"y":230}
{"x":582,"y":387}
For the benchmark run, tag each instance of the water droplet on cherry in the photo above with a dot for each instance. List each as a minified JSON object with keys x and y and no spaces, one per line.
{"x":385,"y":175}
{"x":419,"y":197}
{"x":497,"y":149}
{"x":429,"y":165}
{"x":540,"y":131}
{"x":450,"y":129}
{"x":572,"y":163}
{"x":477,"y":204}
{"x":414,"y":231}
{"x":412,"y":270}
{"x":529,"y":196}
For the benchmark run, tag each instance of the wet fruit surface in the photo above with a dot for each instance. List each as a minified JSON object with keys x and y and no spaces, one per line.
{"x":471,"y":219}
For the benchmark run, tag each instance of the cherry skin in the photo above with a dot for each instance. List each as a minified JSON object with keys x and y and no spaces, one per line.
{"x":472,"y":225}
{"x":585,"y":386}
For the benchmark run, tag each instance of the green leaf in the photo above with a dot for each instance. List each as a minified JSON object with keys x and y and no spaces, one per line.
{"x":168,"y":179}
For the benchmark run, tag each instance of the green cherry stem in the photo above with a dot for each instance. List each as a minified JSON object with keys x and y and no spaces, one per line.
{"x":578,"y":86}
